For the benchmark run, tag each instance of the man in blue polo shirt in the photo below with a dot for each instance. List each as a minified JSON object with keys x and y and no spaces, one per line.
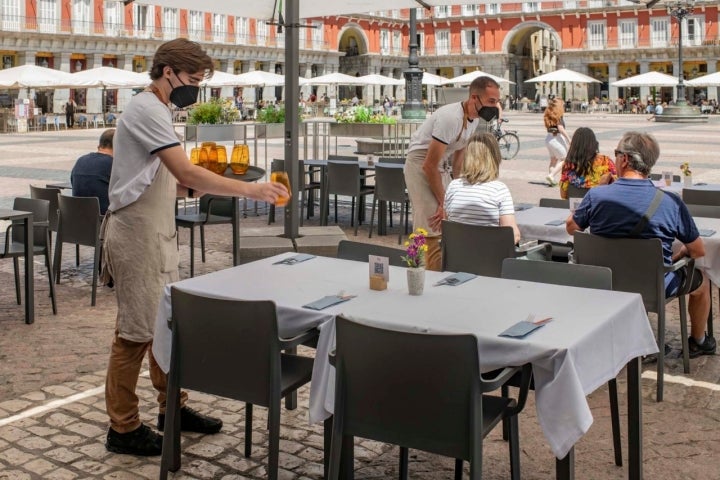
{"x":90,"y":176}
{"x":615,"y":210}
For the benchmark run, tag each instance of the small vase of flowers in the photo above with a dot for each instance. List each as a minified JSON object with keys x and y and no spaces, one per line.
{"x":415,"y":249}
{"x":687,"y":175}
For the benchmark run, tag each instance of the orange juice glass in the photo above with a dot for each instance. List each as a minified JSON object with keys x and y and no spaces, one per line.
{"x":203,"y":158}
{"x":221,"y":164}
{"x":240,"y":159}
{"x":195,"y":156}
{"x":281,"y":177}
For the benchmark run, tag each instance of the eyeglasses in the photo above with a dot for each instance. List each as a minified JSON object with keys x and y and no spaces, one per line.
{"x":619,"y":152}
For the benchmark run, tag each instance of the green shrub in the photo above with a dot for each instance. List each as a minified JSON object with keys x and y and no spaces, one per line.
{"x":271,"y":114}
{"x":216,"y":111}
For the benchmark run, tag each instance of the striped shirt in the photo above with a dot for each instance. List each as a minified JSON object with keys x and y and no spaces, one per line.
{"x":478,"y":204}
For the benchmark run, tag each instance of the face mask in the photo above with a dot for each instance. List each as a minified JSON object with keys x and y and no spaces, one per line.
{"x":184,"y":95}
{"x":488,"y":113}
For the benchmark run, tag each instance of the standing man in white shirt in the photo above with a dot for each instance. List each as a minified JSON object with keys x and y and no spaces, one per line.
{"x":437,"y":150}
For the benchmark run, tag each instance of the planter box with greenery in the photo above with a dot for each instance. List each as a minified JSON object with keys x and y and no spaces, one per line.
{"x":270,"y":122}
{"x":213,"y":122}
{"x":361,"y":122}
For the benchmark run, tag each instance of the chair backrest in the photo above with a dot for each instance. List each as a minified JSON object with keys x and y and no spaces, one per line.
{"x":40,"y":210}
{"x":558,"y":273}
{"x":576,"y":192}
{"x":390,"y":184}
{"x":343,"y":178}
{"x":697,"y":196}
{"x":636,"y":264}
{"x":475,"y":248}
{"x":391,"y":160}
{"x":217,"y":206}
{"x":410,"y":389}
{"x":658,"y":176}
{"x":351,"y":158}
{"x":211,"y":334}
{"x":554,"y":203}
{"x":359,"y":252}
{"x":79,"y":220}
{"x":708,"y":211}
{"x":51,"y":195}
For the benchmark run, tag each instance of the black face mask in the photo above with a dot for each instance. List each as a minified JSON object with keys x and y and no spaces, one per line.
{"x":488,"y":113}
{"x":184,"y":95}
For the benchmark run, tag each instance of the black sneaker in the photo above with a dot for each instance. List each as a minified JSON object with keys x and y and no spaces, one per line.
{"x":193,"y":421}
{"x":652,"y":358}
{"x":706,"y":348}
{"x":142,"y":441}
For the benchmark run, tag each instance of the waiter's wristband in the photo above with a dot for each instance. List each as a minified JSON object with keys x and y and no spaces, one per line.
{"x":191,"y":192}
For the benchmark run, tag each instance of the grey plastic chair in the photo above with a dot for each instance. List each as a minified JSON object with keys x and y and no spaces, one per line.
{"x":480,"y":249}
{"x":571,"y":275}
{"x":230,"y":349}
{"x":390,"y":187}
{"x":359,"y":251}
{"x":577,"y":192}
{"x":344,"y":179}
{"x":554,"y":203}
{"x":349,"y":158}
{"x":79,"y":223}
{"x":637,"y":266}
{"x":418,"y":391}
{"x":213,"y":210}
{"x":658,"y":176}
{"x":398,"y":160}
{"x":14,"y":246}
{"x":697,"y":196}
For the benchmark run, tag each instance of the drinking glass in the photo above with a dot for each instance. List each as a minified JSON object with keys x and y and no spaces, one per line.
{"x":240,"y":159}
{"x":221,"y":163}
{"x":574,"y":204}
{"x":195,"y":156}
{"x":281,"y":177}
{"x":667,"y":176}
{"x":203,"y":158}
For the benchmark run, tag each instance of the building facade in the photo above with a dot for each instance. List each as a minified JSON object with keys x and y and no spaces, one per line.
{"x":606,"y":39}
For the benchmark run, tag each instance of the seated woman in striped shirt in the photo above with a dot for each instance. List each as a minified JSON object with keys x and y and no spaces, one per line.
{"x":478,"y":197}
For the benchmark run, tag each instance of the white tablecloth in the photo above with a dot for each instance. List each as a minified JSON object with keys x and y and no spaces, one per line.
{"x":593,"y":335}
{"x":531,"y":223}
{"x":710,"y":263}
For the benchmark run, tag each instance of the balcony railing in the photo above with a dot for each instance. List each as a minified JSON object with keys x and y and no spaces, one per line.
{"x":672,"y":42}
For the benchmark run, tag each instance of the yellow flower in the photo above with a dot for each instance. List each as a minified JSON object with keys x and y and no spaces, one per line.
{"x":422,"y":231}
{"x":407,"y":244}
{"x":424,"y":248}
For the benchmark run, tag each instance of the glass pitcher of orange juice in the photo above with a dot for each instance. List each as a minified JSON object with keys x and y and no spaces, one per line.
{"x":281,"y":177}
{"x":240,"y":159}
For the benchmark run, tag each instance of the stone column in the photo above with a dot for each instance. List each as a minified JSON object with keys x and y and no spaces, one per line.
{"x":612,"y":77}
{"x":712,"y":92}
{"x":644,"y":91}
{"x":62,"y":62}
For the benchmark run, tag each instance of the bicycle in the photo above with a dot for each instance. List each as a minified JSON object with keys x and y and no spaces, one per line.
{"x":508,"y":140}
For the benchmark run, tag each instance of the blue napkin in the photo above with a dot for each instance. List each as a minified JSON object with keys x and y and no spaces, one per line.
{"x":519,"y":207}
{"x":326,"y":302}
{"x":555,"y":223}
{"x":706,"y":232}
{"x":521,"y":329}
{"x":300,"y":257}
{"x":456,"y":279}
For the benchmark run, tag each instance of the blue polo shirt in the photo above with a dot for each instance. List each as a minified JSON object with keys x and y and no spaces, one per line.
{"x":90,"y":177}
{"x":614,"y":211}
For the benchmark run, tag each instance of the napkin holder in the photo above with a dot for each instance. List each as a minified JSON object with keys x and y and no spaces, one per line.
{"x":378,"y":282}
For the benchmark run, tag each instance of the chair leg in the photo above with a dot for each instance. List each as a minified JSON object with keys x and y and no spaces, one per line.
{"x":514,"y":448}
{"x":302,"y":203}
{"x":403,"y":475}
{"x":335,"y":208}
{"x":170,"y":460}
{"x":355,"y":214}
{"x":248,"y":429}
{"x":458,"y":469}
{"x":96,"y":265}
{"x":77,"y":255}
{"x":271,"y":214}
{"x":615,"y":420}
{"x":291,"y":398}
{"x":352,"y":212}
{"x":274,"y":442}
{"x":192,"y":252}
{"x":58,"y":258}
{"x":505,"y":392}
{"x":372,"y":216}
{"x":16,"y":269}
{"x":661,"y":353}
{"x":684,"y":334}
{"x":202,"y":243}
{"x":48,"y":265}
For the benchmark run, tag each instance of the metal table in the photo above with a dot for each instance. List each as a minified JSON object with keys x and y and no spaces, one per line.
{"x":253,"y":174}
{"x":27,"y":218}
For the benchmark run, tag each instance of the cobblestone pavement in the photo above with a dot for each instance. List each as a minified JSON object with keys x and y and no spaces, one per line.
{"x":52,"y":411}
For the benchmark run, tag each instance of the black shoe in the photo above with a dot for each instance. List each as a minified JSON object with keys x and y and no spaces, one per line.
{"x":193,"y":421}
{"x":141,"y":441}
{"x":652,"y":358}
{"x":706,"y":348}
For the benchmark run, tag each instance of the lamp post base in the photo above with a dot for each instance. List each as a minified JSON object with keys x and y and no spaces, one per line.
{"x":681,"y":113}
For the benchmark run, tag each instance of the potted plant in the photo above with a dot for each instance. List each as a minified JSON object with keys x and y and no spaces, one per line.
{"x":270,"y":122}
{"x":361,"y":122}
{"x":415,"y":249}
{"x":213,"y":121}
{"x":687,"y":175}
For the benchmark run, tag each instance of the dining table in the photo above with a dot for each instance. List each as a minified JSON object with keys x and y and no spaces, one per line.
{"x":543,"y":223}
{"x":592,"y":336}
{"x":27,"y":224}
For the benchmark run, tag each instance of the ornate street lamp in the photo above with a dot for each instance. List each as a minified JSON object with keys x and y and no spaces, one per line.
{"x":413,"y":107}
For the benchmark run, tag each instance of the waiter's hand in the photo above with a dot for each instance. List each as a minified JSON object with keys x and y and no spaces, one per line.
{"x":437,"y":218}
{"x":268,"y":192}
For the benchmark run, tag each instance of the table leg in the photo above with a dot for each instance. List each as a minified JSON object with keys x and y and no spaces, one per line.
{"x":565,"y":467}
{"x":347,"y":457}
{"x":29,"y":275}
{"x":236,"y":230}
{"x":634,"y":399}
{"x":324,"y":198}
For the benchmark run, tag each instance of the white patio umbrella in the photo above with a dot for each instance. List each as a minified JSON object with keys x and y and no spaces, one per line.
{"x":375,"y":79}
{"x":710,"y":80}
{"x":260,"y":78}
{"x":335,"y":78}
{"x":467,"y":78}
{"x":649,"y":79}
{"x":563,"y":75}
{"x":433,"y":80}
{"x":109,"y":77}
{"x":221,"y":79}
{"x":32,"y":76}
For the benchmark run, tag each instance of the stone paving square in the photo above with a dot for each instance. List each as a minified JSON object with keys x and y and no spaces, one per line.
{"x":52,"y":410}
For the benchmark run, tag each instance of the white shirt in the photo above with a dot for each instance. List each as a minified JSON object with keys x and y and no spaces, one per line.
{"x":478,"y":204}
{"x":144,"y":129}
{"x":444,"y":126}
